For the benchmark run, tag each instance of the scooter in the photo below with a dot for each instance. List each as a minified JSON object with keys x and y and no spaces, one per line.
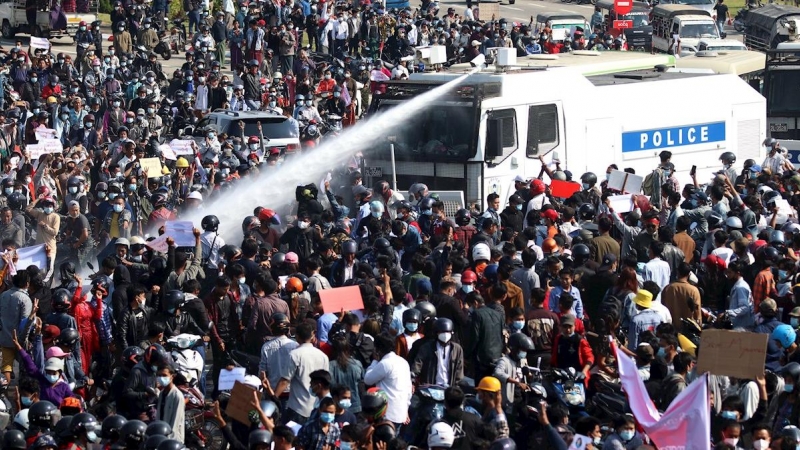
{"x":164,"y":46}
{"x":567,"y":387}
{"x":427,"y":406}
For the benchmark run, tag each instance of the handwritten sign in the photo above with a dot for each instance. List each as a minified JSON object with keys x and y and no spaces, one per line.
{"x":336,"y":299}
{"x":168,"y":152}
{"x":241,"y":403}
{"x":182,"y":146}
{"x":36,"y":150}
{"x":228,"y":378}
{"x":732,"y":353}
{"x":152,"y":166}
{"x":159,"y":244}
{"x":40,"y":42}
{"x":44,"y":133}
{"x":181,"y":231}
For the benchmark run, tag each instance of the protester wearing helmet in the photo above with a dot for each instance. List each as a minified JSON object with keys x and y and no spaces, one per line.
{"x":436,"y":354}
{"x":140,"y":387}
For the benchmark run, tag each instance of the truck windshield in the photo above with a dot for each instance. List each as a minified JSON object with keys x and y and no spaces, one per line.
{"x":445,"y":131}
{"x":699,"y":30}
{"x":639,"y":20}
{"x":274,"y":129}
{"x":783,"y":92}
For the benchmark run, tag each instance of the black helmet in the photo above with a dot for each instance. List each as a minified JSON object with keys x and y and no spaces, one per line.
{"x":154,"y":441}
{"x":426,"y":309}
{"x":210,"y":223}
{"x":43,"y":415}
{"x":520,"y":341}
{"x":586,"y":211}
{"x":131,"y":435}
{"x":16,"y":201}
{"x":426,"y":203}
{"x":278,"y":259}
{"x":443,"y":325}
{"x":349,"y":247}
{"x":84,"y":423}
{"x":791,"y":370}
{"x":44,"y":441}
{"x":174,"y":299}
{"x":728,"y":158}
{"x":132,"y":355}
{"x":412,"y":315}
{"x":770,"y":253}
{"x":157,"y":265}
{"x":113,"y":423}
{"x":381,"y":244}
{"x":62,"y":430}
{"x":67,"y":270}
{"x":68,"y":336}
{"x":279,"y":322}
{"x":74,"y":182}
{"x":7,"y":182}
{"x":102,"y":282}
{"x":503,"y":443}
{"x":748,"y":163}
{"x":581,"y":251}
{"x":403,"y":204}
{"x":259,"y":437}
{"x":158,"y":427}
{"x":373,"y":404}
{"x":61,"y":300}
{"x":14,"y":440}
{"x":589,"y":178}
{"x":463,"y":217}
{"x":790,"y":437}
{"x":171,"y":444}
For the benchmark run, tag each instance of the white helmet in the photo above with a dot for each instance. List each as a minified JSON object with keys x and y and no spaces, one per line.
{"x":277,"y":76}
{"x":481,"y":251}
{"x":122,"y":241}
{"x":22,"y":419}
{"x":137,"y":240}
{"x":441,"y":435}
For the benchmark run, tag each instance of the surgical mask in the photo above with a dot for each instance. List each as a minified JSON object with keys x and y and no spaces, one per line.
{"x":116,"y":104}
{"x":202,"y":79}
{"x":112,"y":196}
{"x":150,"y":110}
{"x":337,"y":94}
{"x":411,"y":327}
{"x":64,"y":116}
{"x":137,"y":258}
{"x":154,"y":368}
{"x":34,"y":79}
{"x":596,"y":441}
{"x":667,"y":173}
{"x":131,"y":187}
{"x":151,"y":79}
{"x":242,"y":280}
{"x":427,"y":212}
{"x":73,"y":190}
{"x":782,"y":274}
{"x":101,"y":194}
{"x":346,"y":446}
{"x":585,"y":186}
{"x":761,"y":444}
{"x":254,"y":146}
{"x":111,"y":52}
{"x":9,"y":191}
{"x":327,"y":77}
{"x":147,"y":25}
{"x":129,"y":120}
{"x":309,"y":103}
{"x":521,"y":355}
{"x":26,"y":401}
{"x":661,"y":352}
{"x":347,"y":75}
{"x":376,"y":214}
{"x":91,"y":436}
{"x":27,"y":180}
{"x":273,"y":104}
{"x":788,"y":388}
{"x":444,"y":338}
{"x":212,"y":135}
{"x":51,"y":378}
{"x":89,"y":124}
{"x":626,"y":435}
{"x":794,"y":322}
{"x":225,"y":172}
{"x":48,"y":210}
{"x":327,"y":417}
{"x":345,"y":403}
{"x":729,"y":415}
{"x":118,"y":208}
{"x":517,"y":324}
{"x":467,"y":288}
{"x":731,"y":441}
{"x":164,"y":381}
{"x":302,"y":224}
{"x":519,"y":207}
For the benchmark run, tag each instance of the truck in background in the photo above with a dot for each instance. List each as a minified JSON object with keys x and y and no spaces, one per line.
{"x":14,"y":19}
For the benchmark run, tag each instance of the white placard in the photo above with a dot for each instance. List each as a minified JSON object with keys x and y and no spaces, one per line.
{"x":181,"y":231}
{"x":621,"y":203}
{"x":159,"y":244}
{"x":182,"y":146}
{"x":168,"y":152}
{"x":39,"y":42}
{"x":32,"y":256}
{"x":227,"y":378}
{"x":44,"y":133}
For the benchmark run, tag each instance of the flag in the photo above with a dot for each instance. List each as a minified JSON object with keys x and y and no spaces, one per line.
{"x":685,"y":425}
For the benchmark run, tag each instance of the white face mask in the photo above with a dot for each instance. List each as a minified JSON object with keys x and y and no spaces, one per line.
{"x":444,"y":338}
{"x":731,"y":441}
{"x":761,"y":444}
{"x":303,"y":224}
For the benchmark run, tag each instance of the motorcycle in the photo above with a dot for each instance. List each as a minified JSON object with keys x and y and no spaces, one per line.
{"x":738,"y":21}
{"x":178,"y":36}
{"x":164,"y":45}
{"x":566,"y":386}
{"x":309,"y":135}
{"x":427,"y":406}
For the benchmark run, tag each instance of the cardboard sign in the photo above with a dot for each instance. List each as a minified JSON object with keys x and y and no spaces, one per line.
{"x":564,"y":189}
{"x":241,"y":403}
{"x":336,"y":299}
{"x":44,"y":133}
{"x":152,"y":166}
{"x":228,"y":378}
{"x":732,"y":353}
{"x":40,"y":42}
{"x":182,"y":231}
{"x":182,"y":146}
{"x":487,"y":11}
{"x":625,"y":182}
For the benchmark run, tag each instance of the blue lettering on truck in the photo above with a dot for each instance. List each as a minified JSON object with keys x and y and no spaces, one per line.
{"x":703,"y":133}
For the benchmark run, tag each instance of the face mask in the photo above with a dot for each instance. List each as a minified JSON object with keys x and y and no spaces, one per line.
{"x":444,"y":338}
{"x":51,"y":378}
{"x":303,"y":225}
{"x":273,"y":104}
{"x":150,"y":110}
{"x":26,"y":401}
{"x":522,"y":355}
{"x":154,"y":368}
{"x":517,"y":324}
{"x":48,"y":210}
{"x":570,"y":335}
{"x":585,"y":186}
{"x":336,"y":95}
{"x":202,"y":79}
{"x":112,"y":196}
{"x":761,"y":444}
{"x":27,"y":180}
{"x":212,"y":136}
{"x":61,"y":61}
{"x":326,"y":417}
{"x":129,"y":120}
{"x":346,"y":446}
{"x":164,"y":381}
{"x":596,"y":441}
{"x":64,"y":116}
{"x":782,"y":274}
{"x":467,"y":288}
{"x":309,"y":103}
{"x":34,"y":79}
{"x":376,"y":215}
{"x":118,"y":208}
{"x":728,"y":415}
{"x":73,"y":190}
{"x":89,"y":124}
{"x":131,"y":187}
{"x":91,"y":436}
{"x":411,"y":327}
{"x":661,"y":352}
{"x":9,"y":191}
{"x":626,"y":435}
{"x":788,"y":388}
{"x":427,"y":212}
{"x":254,"y":146}
{"x":731,"y":441}
{"x":794,"y":322}
{"x":137,"y":258}
{"x":327,"y":77}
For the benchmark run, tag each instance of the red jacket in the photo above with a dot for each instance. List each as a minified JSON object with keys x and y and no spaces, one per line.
{"x":585,"y":355}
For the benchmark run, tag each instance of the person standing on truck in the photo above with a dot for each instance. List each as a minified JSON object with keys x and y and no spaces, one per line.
{"x":775,"y":162}
{"x":721,"y":15}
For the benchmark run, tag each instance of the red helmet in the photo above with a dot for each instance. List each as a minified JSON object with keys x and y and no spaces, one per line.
{"x":294,"y":285}
{"x":468,"y":277}
{"x":537,"y":187}
{"x":82,"y":24}
{"x":266,"y":215}
{"x":253,"y":140}
{"x":43,"y":190}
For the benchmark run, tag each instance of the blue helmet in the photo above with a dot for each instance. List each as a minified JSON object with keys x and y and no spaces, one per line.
{"x":784,"y":334}
{"x":490,"y":273}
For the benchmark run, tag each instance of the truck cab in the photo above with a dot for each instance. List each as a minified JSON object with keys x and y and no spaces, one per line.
{"x":14,"y":19}
{"x":772,"y":27}
{"x":634,"y":26}
{"x":781,"y":76}
{"x":686,"y":23}
{"x":562,"y":24}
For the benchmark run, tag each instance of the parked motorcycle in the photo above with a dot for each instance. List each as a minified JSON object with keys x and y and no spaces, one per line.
{"x":163,"y":47}
{"x":427,"y":405}
{"x":738,"y":21}
{"x":567,"y":387}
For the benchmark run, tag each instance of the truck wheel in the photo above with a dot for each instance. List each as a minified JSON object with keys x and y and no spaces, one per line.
{"x":6,"y":29}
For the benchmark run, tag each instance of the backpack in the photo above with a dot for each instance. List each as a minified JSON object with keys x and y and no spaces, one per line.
{"x":540,"y":331}
{"x":647,"y":184}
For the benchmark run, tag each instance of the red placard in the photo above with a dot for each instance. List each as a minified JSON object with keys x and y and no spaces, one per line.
{"x":623,"y":7}
{"x":563,"y":189}
{"x":622,"y":24}
{"x":336,"y":299}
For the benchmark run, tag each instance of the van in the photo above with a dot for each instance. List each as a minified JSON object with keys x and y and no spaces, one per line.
{"x":562,"y":24}
{"x":705,"y":5}
{"x":689,"y":24}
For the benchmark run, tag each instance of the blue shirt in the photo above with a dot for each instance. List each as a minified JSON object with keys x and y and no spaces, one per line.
{"x":577,"y":307}
{"x":647,"y":319}
{"x":324,"y":325}
{"x":740,"y":305}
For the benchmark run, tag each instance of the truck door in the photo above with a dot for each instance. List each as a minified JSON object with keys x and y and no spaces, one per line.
{"x":600,"y":135}
{"x":545,"y":136}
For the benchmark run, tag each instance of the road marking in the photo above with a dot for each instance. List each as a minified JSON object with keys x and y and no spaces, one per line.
{"x":511,"y":8}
